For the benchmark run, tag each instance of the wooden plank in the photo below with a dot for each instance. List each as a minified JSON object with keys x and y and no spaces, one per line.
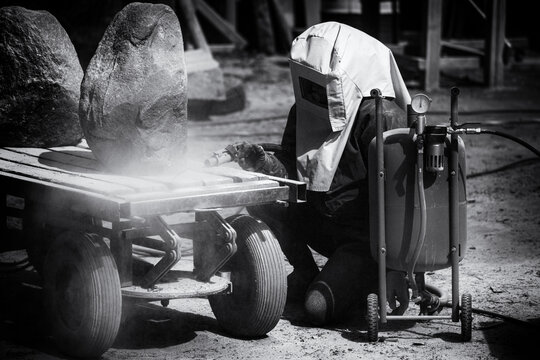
{"x":209,"y":200}
{"x":236,"y":174}
{"x":73,"y":156}
{"x":50,"y":194}
{"x":70,"y":180}
{"x":433,"y":44}
{"x":65,"y":163}
{"x":180,"y":193}
{"x":221,"y":24}
{"x":190,"y":178}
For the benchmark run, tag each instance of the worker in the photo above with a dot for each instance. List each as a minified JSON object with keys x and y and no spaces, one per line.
{"x":334,"y":67}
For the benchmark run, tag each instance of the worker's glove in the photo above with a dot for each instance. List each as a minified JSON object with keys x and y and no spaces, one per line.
{"x":250,"y":157}
{"x":397,"y":291}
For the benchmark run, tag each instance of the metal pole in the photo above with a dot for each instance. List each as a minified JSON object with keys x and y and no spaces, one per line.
{"x":381,"y":221}
{"x":454,"y":203}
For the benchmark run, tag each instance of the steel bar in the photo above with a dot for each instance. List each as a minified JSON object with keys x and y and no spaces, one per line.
{"x":376,"y":93}
{"x":454,"y":203}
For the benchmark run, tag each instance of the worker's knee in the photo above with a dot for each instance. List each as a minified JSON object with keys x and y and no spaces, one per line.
{"x":344,"y":282}
{"x":319,"y":303}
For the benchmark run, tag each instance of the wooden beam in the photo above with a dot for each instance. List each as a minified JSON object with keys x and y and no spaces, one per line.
{"x":313,"y":12}
{"x":186,"y":13}
{"x":230,"y":12}
{"x":221,"y":24}
{"x":433,"y":44}
{"x":494,"y":67}
{"x":283,"y":32}
{"x":461,"y":47}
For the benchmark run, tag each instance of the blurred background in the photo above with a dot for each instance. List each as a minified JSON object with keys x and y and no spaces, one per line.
{"x":426,"y":36}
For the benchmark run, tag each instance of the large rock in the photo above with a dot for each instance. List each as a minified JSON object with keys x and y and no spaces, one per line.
{"x":133,"y":105}
{"x":40,"y":79}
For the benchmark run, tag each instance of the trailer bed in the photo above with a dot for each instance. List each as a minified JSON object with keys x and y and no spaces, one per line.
{"x":70,"y":177}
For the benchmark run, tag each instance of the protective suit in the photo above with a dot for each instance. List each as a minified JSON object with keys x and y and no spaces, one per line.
{"x":334,"y":67}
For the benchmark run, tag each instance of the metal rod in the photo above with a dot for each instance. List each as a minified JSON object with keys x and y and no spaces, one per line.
{"x":172,"y":252}
{"x":454,"y":203}
{"x":376,"y":93}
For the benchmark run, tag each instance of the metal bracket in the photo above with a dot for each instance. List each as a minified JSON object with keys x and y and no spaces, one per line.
{"x":171,"y":248}
{"x":215,"y":246}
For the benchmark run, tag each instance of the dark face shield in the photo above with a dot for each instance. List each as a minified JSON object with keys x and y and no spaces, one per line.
{"x":314,"y":93}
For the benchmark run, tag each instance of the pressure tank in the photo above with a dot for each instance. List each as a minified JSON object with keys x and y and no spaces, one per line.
{"x":402,"y":204}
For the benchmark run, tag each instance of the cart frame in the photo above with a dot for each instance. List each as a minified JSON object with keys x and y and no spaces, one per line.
{"x":62,"y":193}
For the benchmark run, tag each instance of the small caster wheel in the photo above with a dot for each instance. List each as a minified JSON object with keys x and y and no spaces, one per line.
{"x":372,"y":317}
{"x":466,"y":317}
{"x":165,"y":302}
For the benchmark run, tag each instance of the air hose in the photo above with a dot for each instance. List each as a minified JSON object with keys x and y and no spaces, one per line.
{"x":444,"y":301}
{"x":423,"y":220}
{"x":513,"y":138}
{"x":523,"y":143}
{"x":463,"y":130}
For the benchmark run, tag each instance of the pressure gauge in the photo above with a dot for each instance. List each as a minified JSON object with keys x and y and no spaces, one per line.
{"x":420,"y":103}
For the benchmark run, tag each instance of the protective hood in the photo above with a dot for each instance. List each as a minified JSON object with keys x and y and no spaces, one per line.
{"x":333,"y":66}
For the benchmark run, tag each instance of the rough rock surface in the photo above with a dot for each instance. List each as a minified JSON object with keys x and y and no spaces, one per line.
{"x":40,"y":79}
{"x":133,"y":105}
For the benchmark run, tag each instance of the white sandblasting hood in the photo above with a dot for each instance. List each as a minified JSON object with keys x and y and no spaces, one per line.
{"x":333,"y":66}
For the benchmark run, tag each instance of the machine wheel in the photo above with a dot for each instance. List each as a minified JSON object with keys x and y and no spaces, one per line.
{"x":466,"y":317}
{"x":259,"y":281}
{"x":372,"y":317}
{"x":82,"y":294}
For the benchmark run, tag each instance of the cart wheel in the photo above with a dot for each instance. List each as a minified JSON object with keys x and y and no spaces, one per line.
{"x":259,"y":281}
{"x":82,"y":294}
{"x":466,"y":317}
{"x":372,"y":317}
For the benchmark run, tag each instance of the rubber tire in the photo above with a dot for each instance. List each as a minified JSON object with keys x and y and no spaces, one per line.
{"x":372,"y":318}
{"x":259,"y":281}
{"x":82,"y":294}
{"x":466,"y":317}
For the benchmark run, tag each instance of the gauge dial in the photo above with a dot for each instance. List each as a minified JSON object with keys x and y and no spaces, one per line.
{"x":420,"y":103}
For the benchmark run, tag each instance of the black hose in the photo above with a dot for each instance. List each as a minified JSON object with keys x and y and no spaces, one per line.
{"x":506,"y":318}
{"x":513,"y":138}
{"x":515,"y":164}
{"x":445,"y":301}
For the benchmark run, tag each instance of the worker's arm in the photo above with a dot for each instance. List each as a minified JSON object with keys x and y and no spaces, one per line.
{"x":252,"y":157}
{"x":281,"y":163}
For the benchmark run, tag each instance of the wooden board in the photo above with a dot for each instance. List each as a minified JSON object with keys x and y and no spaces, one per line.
{"x":71,"y":173}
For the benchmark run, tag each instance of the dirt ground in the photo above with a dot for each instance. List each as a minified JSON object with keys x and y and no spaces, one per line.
{"x":501,"y":267}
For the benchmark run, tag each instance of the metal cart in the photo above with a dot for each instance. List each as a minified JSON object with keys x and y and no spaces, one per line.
{"x":418,"y":212}
{"x":87,"y":231}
